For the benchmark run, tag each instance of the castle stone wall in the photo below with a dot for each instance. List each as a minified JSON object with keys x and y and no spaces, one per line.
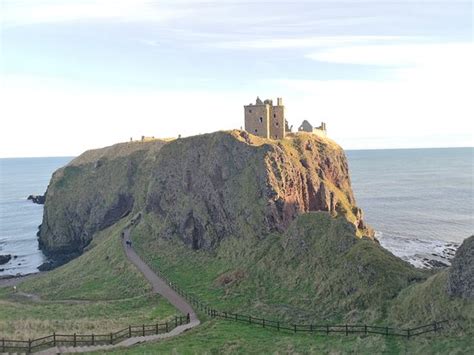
{"x":277,"y":122}
{"x":257,"y":120}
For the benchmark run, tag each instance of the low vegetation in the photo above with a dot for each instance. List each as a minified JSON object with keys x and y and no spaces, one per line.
{"x":224,"y":337}
{"x":98,"y":292}
{"x":101,"y":273}
{"x":316,"y":270}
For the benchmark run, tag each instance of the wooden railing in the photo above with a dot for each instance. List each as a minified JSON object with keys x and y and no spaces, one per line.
{"x":30,"y":345}
{"x":324,"y":329}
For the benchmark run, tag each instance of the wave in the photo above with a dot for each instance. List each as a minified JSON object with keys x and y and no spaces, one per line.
{"x":422,"y":253}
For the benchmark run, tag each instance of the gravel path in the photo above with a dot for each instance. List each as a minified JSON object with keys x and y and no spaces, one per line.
{"x":159,"y":286}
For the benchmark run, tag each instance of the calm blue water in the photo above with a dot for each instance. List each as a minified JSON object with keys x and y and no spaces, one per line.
{"x":19,"y":218}
{"x":416,"y":199}
{"x":419,"y":201}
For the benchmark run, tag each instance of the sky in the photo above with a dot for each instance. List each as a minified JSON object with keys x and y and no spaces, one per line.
{"x":76,"y":75}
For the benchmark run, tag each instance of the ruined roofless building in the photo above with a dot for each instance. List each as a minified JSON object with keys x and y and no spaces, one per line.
{"x":308,"y":127}
{"x":265,"y":120}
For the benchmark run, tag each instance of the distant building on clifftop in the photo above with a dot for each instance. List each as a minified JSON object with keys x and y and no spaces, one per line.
{"x":308,"y":127}
{"x":265,"y":120}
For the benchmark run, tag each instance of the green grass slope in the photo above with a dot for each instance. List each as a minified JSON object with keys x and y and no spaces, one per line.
{"x":221,"y":337}
{"x":429,"y":300}
{"x":101,"y":273}
{"x":96,"y":293}
{"x":316,"y":270}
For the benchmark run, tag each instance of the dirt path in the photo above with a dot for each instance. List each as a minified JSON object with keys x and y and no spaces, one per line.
{"x":159,"y":285}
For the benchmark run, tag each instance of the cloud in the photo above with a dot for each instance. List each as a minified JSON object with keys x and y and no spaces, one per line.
{"x":395,"y":54}
{"x":408,"y":112}
{"x":31,"y":12}
{"x":304,"y":42}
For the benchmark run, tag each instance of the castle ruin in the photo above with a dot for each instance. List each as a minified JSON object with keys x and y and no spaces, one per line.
{"x":265,"y":120}
{"x":308,"y":127}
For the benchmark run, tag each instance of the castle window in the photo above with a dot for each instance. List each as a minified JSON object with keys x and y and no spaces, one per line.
{"x":274,"y":115}
{"x":256,"y":130}
{"x":250,"y":111}
{"x":261,"y":119}
{"x":276,"y":124}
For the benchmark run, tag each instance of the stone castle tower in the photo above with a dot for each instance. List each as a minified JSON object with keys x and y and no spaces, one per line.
{"x":265,"y":120}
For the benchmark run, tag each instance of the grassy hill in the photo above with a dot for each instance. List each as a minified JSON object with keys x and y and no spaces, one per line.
{"x":98,"y":292}
{"x":254,"y":226}
{"x":316,"y":270}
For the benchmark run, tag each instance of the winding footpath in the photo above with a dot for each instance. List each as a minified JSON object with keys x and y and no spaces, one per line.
{"x":159,"y":286}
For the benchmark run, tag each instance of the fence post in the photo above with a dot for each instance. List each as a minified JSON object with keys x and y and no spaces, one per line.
{"x":263,"y":322}
{"x":236,"y":317}
{"x":365,"y":329}
{"x":175,"y":321}
{"x":311,"y":328}
{"x":129,"y":331}
{"x":29,"y":346}
{"x":156,"y":328}
{"x":386,"y":330}
{"x":408,"y":333}
{"x":225,"y":315}
{"x":92,"y":338}
{"x":347,"y":330}
{"x":250,"y":319}
{"x":74,"y":340}
{"x":166,"y":326}
{"x":54,"y":338}
{"x":3,"y":345}
{"x":294,"y":326}
{"x":111,"y":338}
{"x":143,"y":329}
{"x":327,"y":329}
{"x":435,"y":327}
{"x":278,"y":325}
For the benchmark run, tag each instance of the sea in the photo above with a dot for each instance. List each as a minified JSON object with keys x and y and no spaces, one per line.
{"x":419,"y":201}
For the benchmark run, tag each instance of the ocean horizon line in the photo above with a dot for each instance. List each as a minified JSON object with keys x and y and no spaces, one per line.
{"x":347,"y":150}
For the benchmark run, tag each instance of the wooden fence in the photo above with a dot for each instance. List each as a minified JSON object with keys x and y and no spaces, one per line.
{"x":142,"y":330}
{"x":323,"y":329}
{"x":54,"y":339}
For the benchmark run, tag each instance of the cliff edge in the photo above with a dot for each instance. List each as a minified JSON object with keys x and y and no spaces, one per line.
{"x":201,"y":189}
{"x":461,"y":274}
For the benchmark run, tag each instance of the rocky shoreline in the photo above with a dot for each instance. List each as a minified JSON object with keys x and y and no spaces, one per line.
{"x":422,"y":253}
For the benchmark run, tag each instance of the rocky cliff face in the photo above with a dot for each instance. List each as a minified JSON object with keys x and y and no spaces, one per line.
{"x":201,"y":189}
{"x":89,"y":194}
{"x":461,"y":274}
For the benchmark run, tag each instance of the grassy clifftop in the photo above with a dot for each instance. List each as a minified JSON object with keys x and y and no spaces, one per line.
{"x":202,"y":189}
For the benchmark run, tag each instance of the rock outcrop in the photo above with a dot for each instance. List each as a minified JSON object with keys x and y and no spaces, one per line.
{"x":201,"y":189}
{"x":5,"y":259}
{"x":461,"y":274}
{"x":38,"y":199}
